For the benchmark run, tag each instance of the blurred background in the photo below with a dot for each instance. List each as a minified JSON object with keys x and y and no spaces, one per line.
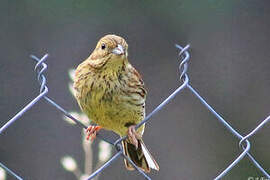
{"x":229,"y":67}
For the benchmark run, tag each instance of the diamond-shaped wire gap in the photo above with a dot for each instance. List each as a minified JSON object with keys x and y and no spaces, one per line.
{"x":234,"y":132}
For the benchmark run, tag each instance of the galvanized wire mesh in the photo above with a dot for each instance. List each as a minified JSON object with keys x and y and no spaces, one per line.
{"x":184,"y":56}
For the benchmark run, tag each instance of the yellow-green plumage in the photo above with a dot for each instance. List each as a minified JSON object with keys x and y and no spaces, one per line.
{"x":102,"y":95}
{"x":110,"y":91}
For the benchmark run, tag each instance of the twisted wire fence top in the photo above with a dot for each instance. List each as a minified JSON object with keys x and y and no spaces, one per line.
{"x":184,"y":57}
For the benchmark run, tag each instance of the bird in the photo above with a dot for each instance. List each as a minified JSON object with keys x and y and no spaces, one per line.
{"x":111,"y":92}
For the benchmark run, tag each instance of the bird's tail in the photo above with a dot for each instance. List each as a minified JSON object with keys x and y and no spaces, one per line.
{"x":140,"y":156}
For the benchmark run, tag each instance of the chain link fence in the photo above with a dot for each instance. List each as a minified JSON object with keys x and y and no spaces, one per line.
{"x":184,"y":56}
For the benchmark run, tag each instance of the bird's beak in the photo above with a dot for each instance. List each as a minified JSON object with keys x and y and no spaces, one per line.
{"x":118,"y":50}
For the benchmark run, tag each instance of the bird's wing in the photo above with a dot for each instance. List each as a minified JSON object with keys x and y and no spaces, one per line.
{"x":134,"y":86}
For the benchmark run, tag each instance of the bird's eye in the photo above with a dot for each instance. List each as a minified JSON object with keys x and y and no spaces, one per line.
{"x":103,"y":46}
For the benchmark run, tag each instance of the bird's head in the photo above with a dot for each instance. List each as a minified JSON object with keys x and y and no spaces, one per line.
{"x":111,"y":50}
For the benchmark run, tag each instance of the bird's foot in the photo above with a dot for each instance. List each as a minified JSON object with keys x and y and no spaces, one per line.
{"x":133,"y":136}
{"x":91,"y":132}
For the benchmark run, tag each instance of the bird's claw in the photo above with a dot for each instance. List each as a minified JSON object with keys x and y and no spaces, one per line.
{"x":91,"y":132}
{"x":133,"y":136}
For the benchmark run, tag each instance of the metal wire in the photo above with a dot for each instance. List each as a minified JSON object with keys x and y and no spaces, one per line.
{"x":184,"y":56}
{"x":10,"y":171}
